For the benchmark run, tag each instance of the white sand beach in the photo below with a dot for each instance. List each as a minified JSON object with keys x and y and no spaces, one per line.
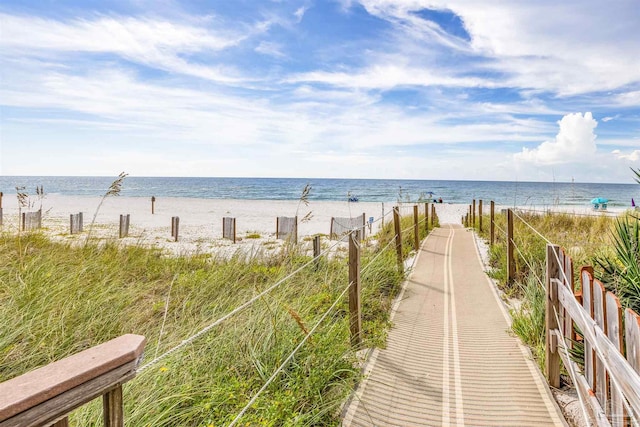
{"x":201,"y":219}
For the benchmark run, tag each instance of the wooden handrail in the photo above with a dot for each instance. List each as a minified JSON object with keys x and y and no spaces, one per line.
{"x":46,"y":395}
{"x":619,"y":369}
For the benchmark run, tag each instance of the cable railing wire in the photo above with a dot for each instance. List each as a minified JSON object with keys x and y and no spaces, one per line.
{"x":287,"y":360}
{"x":571,"y":369}
{"x":380,"y":252}
{"x":599,"y":351}
{"x":238,"y":309}
{"x":532,"y":228}
{"x":528,"y":264}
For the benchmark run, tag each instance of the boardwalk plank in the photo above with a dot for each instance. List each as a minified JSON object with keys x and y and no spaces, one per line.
{"x":450,"y":359}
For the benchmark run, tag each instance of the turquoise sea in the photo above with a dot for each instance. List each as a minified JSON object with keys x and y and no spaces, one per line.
{"x":369,"y":190}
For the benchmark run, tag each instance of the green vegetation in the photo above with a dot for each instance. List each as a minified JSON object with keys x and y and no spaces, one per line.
{"x":611,"y":245}
{"x":58,"y":299}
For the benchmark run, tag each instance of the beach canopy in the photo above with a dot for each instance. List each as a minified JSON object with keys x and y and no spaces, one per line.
{"x":599,"y":200}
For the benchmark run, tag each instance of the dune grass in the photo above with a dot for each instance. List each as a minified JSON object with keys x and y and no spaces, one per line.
{"x":58,"y":299}
{"x":611,"y":245}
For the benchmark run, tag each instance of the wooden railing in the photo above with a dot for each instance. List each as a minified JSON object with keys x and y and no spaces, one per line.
{"x":45,"y":396}
{"x":609,"y":383}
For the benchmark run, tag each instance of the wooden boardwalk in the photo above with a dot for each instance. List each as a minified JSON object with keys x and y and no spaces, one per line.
{"x":450,"y":359}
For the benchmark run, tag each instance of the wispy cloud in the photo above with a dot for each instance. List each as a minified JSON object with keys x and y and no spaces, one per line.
{"x":389,"y":82}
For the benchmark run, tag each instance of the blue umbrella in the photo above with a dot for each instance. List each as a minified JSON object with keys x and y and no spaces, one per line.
{"x":599,"y":200}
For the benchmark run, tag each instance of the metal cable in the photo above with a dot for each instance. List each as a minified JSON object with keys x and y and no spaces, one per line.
{"x":529,"y":265}
{"x":364,"y":269}
{"x":532,"y":228}
{"x":572,"y":372}
{"x":207,"y":328}
{"x":599,"y":351}
{"x":204,"y":330}
{"x":286,"y":361}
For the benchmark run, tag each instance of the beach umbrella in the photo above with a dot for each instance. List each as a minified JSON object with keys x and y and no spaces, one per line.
{"x":599,"y":200}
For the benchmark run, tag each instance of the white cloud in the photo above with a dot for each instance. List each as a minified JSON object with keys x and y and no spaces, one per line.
{"x":270,"y":49}
{"x":576,"y":141}
{"x":156,"y":43}
{"x":539,"y":45}
{"x":388,"y":76}
{"x":299,"y":13}
{"x":633,"y":156}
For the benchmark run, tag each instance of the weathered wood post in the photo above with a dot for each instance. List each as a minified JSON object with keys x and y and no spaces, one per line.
{"x":112,"y":407}
{"x":466,"y":220}
{"x":175,"y":227}
{"x":153,"y":205}
{"x":552,"y":359}
{"x":480,"y":215}
{"x":416,"y":231}
{"x":75,"y":223}
{"x":382,"y":217}
{"x":473,"y":214}
{"x":355,"y":318}
{"x":124,"y":225}
{"x":511,"y":264}
{"x":397,"y":229}
{"x":229,"y":228}
{"x":492,"y":226}
{"x":433,"y":214}
{"x":426,"y":218}
{"x":316,"y":250}
{"x":1,"y":207}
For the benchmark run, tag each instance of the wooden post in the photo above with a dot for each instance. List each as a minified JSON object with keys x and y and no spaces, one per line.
{"x":1,"y":194}
{"x":175,"y":226}
{"x":153,"y":205}
{"x":416,"y":231}
{"x":355,"y":318}
{"x":426,"y":218}
{"x":382,"y":217}
{"x":511,"y":264}
{"x":466,"y":220}
{"x":316,"y":250}
{"x":492,"y":226}
{"x":552,"y":360}
{"x":480,"y":215}
{"x":473,"y":214}
{"x":112,"y":411}
{"x":433,"y":214}
{"x":397,"y":229}
{"x":124,"y":225}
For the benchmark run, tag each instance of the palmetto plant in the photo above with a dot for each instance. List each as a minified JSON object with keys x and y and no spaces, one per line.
{"x":621,"y":272}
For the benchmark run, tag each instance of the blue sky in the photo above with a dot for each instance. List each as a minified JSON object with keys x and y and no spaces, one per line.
{"x":424,"y":89}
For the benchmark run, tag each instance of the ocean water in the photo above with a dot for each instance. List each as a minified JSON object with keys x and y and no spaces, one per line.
{"x":369,"y":190}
